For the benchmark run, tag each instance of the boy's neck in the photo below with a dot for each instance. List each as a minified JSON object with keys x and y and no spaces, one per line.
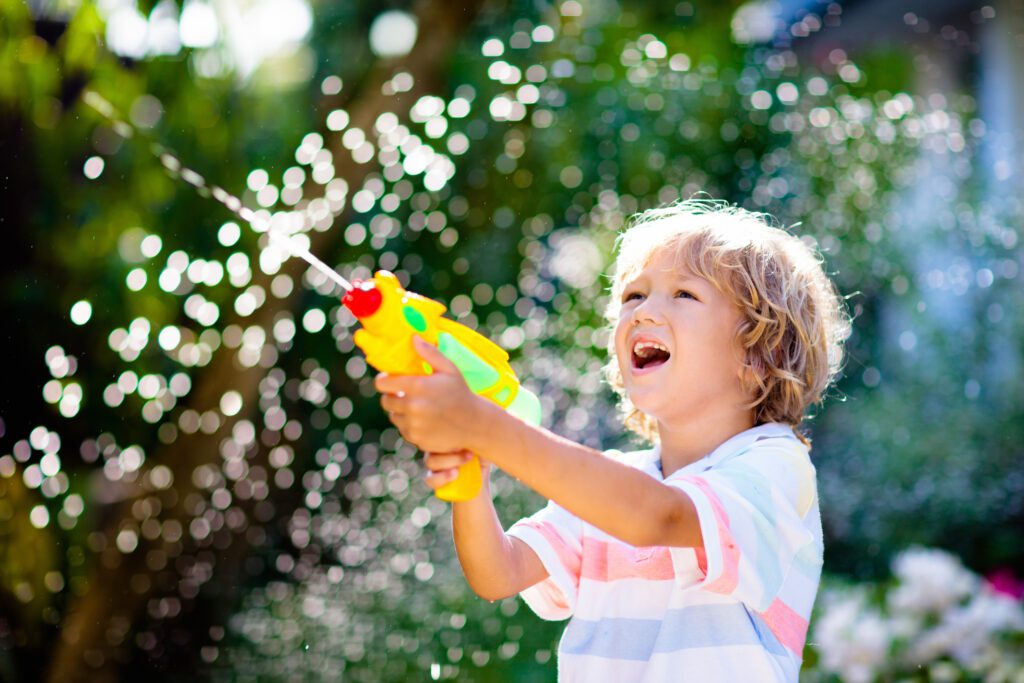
{"x":682,"y":444}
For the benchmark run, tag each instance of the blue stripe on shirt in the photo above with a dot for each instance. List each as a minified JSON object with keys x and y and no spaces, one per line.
{"x":681,"y":629}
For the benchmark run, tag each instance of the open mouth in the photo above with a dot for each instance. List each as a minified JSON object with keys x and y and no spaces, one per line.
{"x":649,"y":354}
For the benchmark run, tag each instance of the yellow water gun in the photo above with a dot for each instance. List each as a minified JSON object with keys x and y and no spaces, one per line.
{"x":391,"y":317}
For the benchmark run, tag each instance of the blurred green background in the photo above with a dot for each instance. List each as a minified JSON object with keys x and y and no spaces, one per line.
{"x":196,"y":480}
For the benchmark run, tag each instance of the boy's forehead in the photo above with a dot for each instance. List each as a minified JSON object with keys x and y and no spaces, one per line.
{"x":672,"y":260}
{"x":666,"y":259}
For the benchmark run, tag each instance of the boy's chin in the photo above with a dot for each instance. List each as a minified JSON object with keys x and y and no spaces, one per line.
{"x":657,"y":412}
{"x":662,"y":410}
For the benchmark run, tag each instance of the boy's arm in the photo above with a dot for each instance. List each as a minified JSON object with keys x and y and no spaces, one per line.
{"x":439,"y":413}
{"x":620,"y":500}
{"x":496,"y":565}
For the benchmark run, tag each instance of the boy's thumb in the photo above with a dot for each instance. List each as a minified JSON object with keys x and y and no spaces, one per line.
{"x":430,"y":353}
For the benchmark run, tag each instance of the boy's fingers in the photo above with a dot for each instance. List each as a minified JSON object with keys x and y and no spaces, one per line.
{"x":391,"y":404}
{"x":436,"y":480}
{"x":437,"y":360}
{"x":437,"y":462}
{"x":390,"y":384}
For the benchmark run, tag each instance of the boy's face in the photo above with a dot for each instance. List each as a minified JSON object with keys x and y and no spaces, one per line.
{"x":676,"y":344}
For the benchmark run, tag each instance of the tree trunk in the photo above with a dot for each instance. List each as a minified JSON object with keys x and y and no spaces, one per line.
{"x":93,"y":645}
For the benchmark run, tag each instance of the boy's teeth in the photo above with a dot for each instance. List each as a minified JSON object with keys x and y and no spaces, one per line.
{"x":649,"y":354}
{"x":642,"y":348}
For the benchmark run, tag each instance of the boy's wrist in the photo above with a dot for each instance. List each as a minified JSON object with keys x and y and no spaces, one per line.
{"x":484,"y":426}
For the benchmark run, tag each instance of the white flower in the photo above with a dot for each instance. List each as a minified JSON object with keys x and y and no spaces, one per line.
{"x":932,"y":644}
{"x":930,"y":581}
{"x":975,"y":624}
{"x":853,"y":638}
{"x":939,"y":618}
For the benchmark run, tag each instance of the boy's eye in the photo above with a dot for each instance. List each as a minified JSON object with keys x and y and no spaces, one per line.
{"x":631,"y":296}
{"x":683,"y":294}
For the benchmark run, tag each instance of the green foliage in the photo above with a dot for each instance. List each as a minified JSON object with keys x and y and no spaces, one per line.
{"x":25,"y":576}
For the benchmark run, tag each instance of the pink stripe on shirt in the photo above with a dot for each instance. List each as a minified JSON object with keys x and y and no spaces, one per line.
{"x":788,"y":626}
{"x":727,"y":582}
{"x":603,"y":561}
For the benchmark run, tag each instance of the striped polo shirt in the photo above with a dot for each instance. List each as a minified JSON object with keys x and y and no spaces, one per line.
{"x":736,"y":611}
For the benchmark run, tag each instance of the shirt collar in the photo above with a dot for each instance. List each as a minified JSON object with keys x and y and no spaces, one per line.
{"x":732,"y":446}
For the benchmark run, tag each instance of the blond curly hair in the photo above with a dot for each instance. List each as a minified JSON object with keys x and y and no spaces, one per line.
{"x":793,"y":321}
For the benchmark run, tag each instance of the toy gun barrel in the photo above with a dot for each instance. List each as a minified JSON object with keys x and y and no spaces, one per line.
{"x":391,"y":316}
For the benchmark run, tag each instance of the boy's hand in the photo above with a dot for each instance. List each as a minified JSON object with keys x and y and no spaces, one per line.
{"x":433,"y":412}
{"x":444,"y":467}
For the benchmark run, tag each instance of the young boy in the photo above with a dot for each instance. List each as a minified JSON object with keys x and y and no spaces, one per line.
{"x":700,"y":558}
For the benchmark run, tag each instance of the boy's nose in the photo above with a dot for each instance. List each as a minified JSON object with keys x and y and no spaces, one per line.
{"x":649,"y":311}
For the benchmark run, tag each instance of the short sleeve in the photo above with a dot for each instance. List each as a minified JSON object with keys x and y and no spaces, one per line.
{"x":758,"y":518}
{"x":556,"y":536}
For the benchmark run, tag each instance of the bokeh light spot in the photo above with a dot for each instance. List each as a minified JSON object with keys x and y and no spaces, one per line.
{"x":93,"y":167}
{"x":150,"y":246}
{"x":39,"y":516}
{"x":393,"y":33}
{"x":231,"y":403}
{"x":314,"y":320}
{"x":229,"y":234}
{"x":199,"y":25}
{"x":81,"y":312}
{"x":136,"y":279}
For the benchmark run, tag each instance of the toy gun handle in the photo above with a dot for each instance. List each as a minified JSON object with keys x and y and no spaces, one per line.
{"x":391,"y":316}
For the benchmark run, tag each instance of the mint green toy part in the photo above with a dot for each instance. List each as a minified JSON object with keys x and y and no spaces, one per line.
{"x":526,"y":406}
{"x":478,"y":374}
{"x":481,"y":376}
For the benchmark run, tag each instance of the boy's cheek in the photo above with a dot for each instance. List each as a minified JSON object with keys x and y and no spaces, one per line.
{"x":619,"y":351}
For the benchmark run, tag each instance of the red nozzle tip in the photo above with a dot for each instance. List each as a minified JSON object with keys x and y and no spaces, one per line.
{"x":364,"y":299}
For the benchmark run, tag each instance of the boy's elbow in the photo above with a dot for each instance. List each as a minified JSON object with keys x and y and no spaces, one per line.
{"x":491,"y":593}
{"x":511,"y":572}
